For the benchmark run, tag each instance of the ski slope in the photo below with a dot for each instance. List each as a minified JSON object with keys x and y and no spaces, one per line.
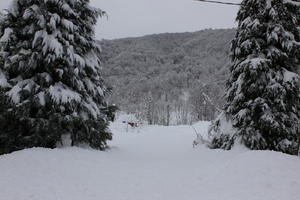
{"x":149,"y":163}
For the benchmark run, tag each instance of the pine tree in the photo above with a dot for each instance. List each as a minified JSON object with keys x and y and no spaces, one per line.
{"x":50,"y":76}
{"x":262,"y":100}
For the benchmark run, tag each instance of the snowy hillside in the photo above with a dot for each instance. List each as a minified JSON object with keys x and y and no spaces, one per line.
{"x":179,"y":70}
{"x":149,"y":163}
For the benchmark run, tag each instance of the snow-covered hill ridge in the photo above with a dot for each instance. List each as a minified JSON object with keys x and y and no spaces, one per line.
{"x":149,"y":163}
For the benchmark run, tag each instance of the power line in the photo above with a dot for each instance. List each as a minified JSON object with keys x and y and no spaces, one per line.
{"x":220,"y":2}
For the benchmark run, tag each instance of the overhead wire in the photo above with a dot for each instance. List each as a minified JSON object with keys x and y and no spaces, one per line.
{"x":220,"y":2}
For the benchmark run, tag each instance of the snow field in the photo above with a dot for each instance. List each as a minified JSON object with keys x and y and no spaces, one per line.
{"x":149,"y":163}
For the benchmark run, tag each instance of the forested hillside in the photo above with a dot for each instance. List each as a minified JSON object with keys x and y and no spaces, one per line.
{"x":169,"y":78}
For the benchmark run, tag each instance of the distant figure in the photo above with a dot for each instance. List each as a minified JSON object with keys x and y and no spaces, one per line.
{"x":132,"y":124}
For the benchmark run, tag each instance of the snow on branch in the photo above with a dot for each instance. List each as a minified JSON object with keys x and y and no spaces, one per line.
{"x":289,"y":76}
{"x":60,"y":93}
{"x":6,"y":36}
{"x":3,"y":80}
{"x":295,"y":3}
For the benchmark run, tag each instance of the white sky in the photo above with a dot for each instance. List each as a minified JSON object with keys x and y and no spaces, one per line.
{"x":131,"y":18}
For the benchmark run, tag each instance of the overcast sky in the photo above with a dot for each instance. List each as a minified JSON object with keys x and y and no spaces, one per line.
{"x":131,"y":18}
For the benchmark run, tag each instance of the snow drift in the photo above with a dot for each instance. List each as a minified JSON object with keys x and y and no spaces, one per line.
{"x":149,"y":163}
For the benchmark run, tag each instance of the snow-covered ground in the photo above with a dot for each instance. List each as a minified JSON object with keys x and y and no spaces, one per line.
{"x":149,"y":163}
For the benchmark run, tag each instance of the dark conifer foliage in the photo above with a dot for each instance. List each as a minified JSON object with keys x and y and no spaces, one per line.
{"x":50,"y":76}
{"x":263,"y":104}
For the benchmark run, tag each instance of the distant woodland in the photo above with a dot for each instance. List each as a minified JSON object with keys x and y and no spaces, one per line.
{"x":169,"y":79}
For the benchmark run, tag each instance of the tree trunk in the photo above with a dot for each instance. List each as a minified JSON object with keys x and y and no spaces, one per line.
{"x":298,"y":149}
{"x":298,"y":134}
{"x":168,"y":111}
{"x":168,"y":115}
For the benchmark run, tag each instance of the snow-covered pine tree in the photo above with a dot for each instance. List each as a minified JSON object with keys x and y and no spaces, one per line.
{"x":262,"y":101}
{"x":50,"y":76}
